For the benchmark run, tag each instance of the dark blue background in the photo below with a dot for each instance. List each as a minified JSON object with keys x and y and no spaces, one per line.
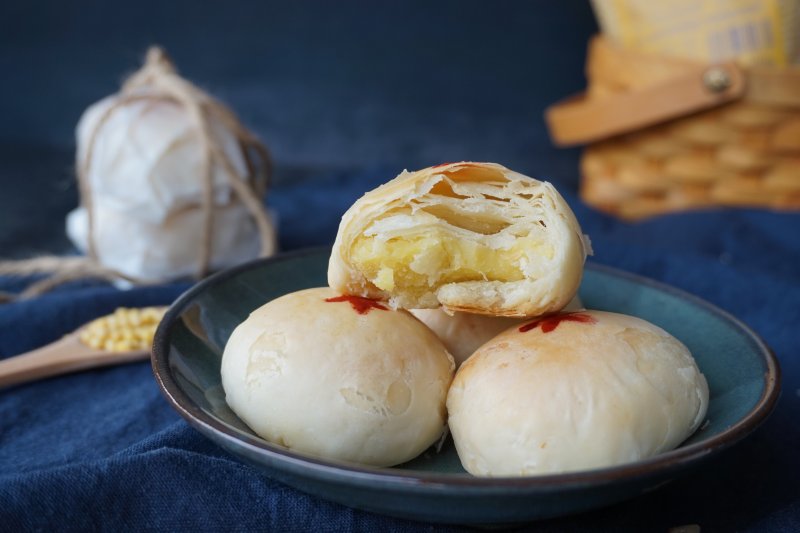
{"x":346,"y":94}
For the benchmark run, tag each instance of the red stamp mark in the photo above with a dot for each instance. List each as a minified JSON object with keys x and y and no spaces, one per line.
{"x":360,"y":305}
{"x":549,"y":323}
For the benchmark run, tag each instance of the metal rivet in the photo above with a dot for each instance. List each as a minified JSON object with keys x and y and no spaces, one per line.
{"x":716,"y":79}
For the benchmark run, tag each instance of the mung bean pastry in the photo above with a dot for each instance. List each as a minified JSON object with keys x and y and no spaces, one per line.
{"x":474,"y":237}
{"x":338,"y":377}
{"x":574,"y":391}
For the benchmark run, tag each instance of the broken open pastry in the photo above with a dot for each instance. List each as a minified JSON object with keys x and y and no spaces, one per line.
{"x":473,"y":237}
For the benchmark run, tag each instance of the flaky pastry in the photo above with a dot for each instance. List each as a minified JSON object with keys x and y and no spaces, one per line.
{"x":338,"y":377}
{"x":473,"y":237}
{"x":574,"y":391}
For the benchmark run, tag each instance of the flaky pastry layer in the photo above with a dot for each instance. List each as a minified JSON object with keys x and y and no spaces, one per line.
{"x":473,"y":237}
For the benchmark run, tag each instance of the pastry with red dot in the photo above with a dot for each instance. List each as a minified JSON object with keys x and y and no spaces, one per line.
{"x":338,"y":376}
{"x":574,"y":391}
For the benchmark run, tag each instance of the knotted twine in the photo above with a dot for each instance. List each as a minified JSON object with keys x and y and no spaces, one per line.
{"x":158,"y":80}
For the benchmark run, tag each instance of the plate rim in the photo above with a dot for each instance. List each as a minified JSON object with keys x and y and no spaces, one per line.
{"x":672,"y":460}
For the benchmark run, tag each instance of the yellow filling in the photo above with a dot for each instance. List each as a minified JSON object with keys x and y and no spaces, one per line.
{"x":123,"y":331}
{"x":420,"y":263}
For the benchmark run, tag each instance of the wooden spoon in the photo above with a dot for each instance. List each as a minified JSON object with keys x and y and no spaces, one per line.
{"x":68,"y":354}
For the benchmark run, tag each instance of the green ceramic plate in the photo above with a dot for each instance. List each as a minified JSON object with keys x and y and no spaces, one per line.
{"x":742,"y":374}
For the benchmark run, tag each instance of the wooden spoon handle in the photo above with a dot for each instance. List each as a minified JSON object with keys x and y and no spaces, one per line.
{"x":66,"y":355}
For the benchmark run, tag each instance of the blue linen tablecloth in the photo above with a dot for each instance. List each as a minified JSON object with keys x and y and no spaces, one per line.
{"x":102,"y":450}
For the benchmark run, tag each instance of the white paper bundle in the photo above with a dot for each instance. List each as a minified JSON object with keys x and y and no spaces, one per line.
{"x":147,"y":157}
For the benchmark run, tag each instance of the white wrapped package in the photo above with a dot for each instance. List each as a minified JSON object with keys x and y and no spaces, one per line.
{"x":145,"y":158}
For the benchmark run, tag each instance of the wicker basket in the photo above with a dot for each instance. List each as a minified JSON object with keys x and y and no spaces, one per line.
{"x":669,"y":135}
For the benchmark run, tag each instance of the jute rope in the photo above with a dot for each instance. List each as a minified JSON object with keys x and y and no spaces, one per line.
{"x":59,"y":270}
{"x":158,"y":80}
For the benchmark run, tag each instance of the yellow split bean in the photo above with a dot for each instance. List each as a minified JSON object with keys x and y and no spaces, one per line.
{"x":126,"y":329}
